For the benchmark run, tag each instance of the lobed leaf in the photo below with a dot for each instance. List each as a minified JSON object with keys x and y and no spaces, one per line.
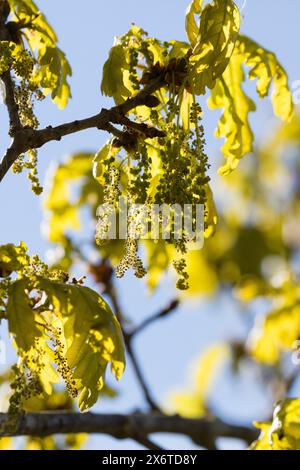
{"x":92,"y":334}
{"x":228,"y":94}
{"x":265,"y":68}
{"x":275,"y":334}
{"x":218,"y":32}
{"x":191,"y":25}
{"x":113,"y":81}
{"x":284,"y":432}
{"x":53,"y":69}
{"x":233,"y":125}
{"x":12,"y":258}
{"x":63,"y":210}
{"x":21,"y":318}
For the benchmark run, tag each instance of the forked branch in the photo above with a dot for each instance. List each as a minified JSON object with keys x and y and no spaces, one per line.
{"x":25,"y":139}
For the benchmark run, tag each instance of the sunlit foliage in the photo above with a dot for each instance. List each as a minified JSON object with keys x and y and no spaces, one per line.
{"x":65,"y":331}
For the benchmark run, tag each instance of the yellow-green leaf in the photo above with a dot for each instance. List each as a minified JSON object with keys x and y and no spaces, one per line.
{"x":275,"y":334}
{"x":186,"y":103}
{"x":234,"y":126}
{"x":193,"y":403}
{"x":179,"y":49}
{"x":113,"y":74}
{"x":157,"y":50}
{"x":12,"y":258}
{"x":284,"y":431}
{"x":21,"y":318}
{"x":265,"y":67}
{"x":92,"y":333}
{"x":191,"y":25}
{"x":53,"y":74}
{"x":63,"y":211}
{"x":53,"y":69}
{"x":211,"y":216}
{"x":104,"y":153}
{"x":219,"y":28}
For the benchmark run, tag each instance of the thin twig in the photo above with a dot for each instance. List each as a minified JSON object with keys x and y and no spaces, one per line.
{"x":110,"y":290}
{"x":139,"y":375}
{"x":158,"y":316}
{"x":128,"y":341}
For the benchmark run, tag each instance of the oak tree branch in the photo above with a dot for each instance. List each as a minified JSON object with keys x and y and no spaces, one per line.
{"x":25,"y":139}
{"x":204,"y":432}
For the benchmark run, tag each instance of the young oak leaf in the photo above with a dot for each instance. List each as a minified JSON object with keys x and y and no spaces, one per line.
{"x":21,"y":317}
{"x":186,"y":103}
{"x":28,"y":10}
{"x":191,"y":25}
{"x":12,"y":258}
{"x":52,"y":69}
{"x":284,"y":431}
{"x":114,"y":75}
{"x":229,"y":95}
{"x":92,"y":335}
{"x":53,"y":74}
{"x":276,"y":334}
{"x":157,"y":50}
{"x":234,"y":124}
{"x":211,"y":216}
{"x":265,"y":67}
{"x":218,"y":32}
{"x":63,"y":213}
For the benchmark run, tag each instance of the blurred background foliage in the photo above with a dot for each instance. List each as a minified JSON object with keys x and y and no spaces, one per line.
{"x":253,"y":255}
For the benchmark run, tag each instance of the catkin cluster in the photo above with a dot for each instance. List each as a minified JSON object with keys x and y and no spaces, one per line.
{"x":63,"y":367}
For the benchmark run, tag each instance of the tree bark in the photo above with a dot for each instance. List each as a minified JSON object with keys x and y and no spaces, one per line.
{"x":204,"y":432}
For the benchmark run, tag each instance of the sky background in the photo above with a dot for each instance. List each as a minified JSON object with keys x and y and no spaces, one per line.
{"x":86,"y":32}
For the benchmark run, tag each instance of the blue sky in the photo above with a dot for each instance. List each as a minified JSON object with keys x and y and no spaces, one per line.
{"x":86,"y":31}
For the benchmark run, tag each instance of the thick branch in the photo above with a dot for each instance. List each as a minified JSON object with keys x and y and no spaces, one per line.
{"x":120,"y":426}
{"x":11,"y":155}
{"x":10,"y":102}
{"x":99,"y":121}
{"x":26,"y":139}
